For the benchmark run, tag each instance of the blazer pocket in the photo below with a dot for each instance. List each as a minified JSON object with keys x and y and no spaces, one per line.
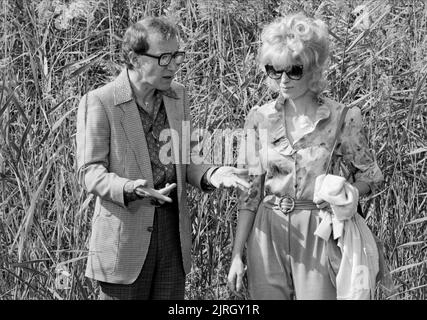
{"x":107,"y":239}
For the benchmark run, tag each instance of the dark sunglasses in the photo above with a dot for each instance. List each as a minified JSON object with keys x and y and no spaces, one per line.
{"x":165,"y":58}
{"x":293,"y":72}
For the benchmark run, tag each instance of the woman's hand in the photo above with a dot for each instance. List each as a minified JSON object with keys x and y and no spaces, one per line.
{"x":236,"y":273}
{"x":341,"y":195}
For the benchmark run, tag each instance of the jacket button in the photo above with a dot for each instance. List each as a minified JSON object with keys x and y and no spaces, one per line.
{"x":150,"y":229}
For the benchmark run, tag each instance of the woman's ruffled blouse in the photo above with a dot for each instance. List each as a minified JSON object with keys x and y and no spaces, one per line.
{"x":277,"y":166}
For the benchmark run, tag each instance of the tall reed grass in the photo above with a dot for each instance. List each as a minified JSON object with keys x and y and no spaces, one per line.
{"x":53,"y":51}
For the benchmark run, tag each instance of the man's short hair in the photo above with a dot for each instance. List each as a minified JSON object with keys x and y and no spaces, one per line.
{"x":136,"y":35}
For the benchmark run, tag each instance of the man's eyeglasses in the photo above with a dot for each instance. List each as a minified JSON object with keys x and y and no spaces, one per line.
{"x":293,"y":72}
{"x":165,"y":58}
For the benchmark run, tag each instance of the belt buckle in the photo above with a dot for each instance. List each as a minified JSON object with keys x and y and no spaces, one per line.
{"x":286,"y":200}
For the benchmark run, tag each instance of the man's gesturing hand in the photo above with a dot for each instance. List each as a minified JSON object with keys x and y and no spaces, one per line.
{"x":142,"y":191}
{"x":230,"y":177}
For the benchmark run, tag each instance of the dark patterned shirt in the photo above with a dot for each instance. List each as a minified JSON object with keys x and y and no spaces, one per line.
{"x":153,"y":126}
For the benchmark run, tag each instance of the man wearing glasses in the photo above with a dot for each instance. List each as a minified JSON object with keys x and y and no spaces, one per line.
{"x":141,"y":230}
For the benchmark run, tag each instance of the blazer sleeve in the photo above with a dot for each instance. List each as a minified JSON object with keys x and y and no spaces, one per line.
{"x":197,"y":166}
{"x":93,"y":148}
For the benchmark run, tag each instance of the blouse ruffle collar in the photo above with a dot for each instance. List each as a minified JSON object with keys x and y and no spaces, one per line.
{"x":278,"y":129}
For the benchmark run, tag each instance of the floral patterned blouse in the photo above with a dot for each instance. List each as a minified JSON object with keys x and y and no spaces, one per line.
{"x":277,"y":166}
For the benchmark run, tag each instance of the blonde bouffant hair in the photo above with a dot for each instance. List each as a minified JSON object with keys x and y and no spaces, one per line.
{"x":294,"y":39}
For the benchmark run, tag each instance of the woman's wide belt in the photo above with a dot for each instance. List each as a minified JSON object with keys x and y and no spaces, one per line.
{"x":288,"y":204}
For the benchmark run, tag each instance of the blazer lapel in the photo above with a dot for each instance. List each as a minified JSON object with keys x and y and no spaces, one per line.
{"x":174,"y":120}
{"x":131,"y":123}
{"x":132,"y":126}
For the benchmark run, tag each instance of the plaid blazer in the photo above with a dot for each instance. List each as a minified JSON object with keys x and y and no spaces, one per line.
{"x":111,"y":150}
